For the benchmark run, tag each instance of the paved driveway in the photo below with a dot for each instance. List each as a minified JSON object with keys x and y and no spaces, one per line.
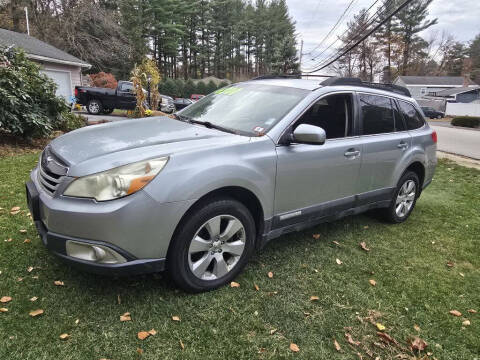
{"x":458,"y":141}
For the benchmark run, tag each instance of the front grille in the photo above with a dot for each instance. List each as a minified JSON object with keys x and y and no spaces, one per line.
{"x":51,"y":171}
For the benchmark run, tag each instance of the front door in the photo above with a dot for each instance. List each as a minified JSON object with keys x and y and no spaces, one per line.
{"x":319,"y":180}
{"x":126,"y":96}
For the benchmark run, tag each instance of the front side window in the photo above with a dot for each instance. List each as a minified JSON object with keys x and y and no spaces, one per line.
{"x":333,"y":114}
{"x":411,"y":116}
{"x":247,"y":108}
{"x":377,"y":114}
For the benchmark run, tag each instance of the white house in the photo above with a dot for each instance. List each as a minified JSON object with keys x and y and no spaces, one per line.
{"x":64,"y":69}
{"x":421,"y":86}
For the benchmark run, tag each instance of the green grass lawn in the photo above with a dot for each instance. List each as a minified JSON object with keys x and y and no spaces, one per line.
{"x":414,"y":286}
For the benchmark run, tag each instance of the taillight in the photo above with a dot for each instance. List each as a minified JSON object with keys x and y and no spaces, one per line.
{"x":434,"y":137}
{"x":76,"y":92}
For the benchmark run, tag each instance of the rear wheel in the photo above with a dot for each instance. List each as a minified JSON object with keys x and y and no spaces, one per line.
{"x":94,"y":107}
{"x":439,"y":116}
{"x":212,"y":246}
{"x":405,"y":198}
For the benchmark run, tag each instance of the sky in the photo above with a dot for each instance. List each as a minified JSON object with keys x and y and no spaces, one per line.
{"x":315,"y":18}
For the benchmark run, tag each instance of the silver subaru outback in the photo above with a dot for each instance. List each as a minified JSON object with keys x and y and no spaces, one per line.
{"x":199,"y":193}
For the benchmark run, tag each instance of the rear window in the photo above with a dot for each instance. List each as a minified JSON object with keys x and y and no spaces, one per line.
{"x":412,"y":118}
{"x":377,"y":114}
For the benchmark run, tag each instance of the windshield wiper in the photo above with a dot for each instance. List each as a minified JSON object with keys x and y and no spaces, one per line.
{"x":209,"y":125}
{"x":183,"y":118}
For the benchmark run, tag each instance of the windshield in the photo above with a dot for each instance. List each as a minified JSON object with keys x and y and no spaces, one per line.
{"x":248,"y":108}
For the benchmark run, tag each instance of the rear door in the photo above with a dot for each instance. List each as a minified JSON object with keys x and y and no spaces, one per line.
{"x":385,"y":142}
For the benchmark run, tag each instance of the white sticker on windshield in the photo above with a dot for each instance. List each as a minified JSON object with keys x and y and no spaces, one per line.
{"x":259,"y":129}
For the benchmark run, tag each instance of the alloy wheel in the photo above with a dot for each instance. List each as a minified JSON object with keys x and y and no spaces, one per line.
{"x":216,"y":247}
{"x":93,"y":107}
{"x":405,"y":198}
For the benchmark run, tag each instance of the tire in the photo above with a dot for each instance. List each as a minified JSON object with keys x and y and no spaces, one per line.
{"x":107,"y":111}
{"x":439,"y":116}
{"x":94,"y":107}
{"x":395,"y":214}
{"x":197,"y":266}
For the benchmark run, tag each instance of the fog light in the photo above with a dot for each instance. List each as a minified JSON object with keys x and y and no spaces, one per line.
{"x":95,"y":253}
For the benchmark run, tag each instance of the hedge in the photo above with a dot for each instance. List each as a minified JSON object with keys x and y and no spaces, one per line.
{"x":466,"y":121}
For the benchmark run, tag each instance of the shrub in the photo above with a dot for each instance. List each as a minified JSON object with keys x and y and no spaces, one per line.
{"x":201,"y":88}
{"x":69,"y":121}
{"x":189,"y":88}
{"x":466,"y":121}
{"x":28,"y":104}
{"x":211,"y":87}
{"x":103,"y":80}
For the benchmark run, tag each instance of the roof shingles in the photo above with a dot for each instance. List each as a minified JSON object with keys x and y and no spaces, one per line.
{"x":33,"y":46}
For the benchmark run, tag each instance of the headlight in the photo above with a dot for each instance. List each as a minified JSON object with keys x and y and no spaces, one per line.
{"x":118,"y":182}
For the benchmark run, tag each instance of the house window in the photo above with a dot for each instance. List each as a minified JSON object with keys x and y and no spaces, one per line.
{"x":424,"y":91}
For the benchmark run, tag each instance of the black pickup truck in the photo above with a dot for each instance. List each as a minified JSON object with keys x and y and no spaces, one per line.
{"x":104,"y":101}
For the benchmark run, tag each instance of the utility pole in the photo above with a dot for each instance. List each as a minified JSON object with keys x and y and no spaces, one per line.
{"x":28,"y":25}
{"x":301,"y":55}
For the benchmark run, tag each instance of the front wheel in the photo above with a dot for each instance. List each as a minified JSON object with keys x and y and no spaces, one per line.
{"x":212,"y":246}
{"x":404,"y":199}
{"x":94,"y":107}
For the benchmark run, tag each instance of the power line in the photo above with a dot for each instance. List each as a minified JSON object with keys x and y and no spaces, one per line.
{"x":364,"y":27}
{"x":332,"y":29}
{"x":400,"y":8}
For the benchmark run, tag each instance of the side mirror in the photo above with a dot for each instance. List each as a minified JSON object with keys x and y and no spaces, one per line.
{"x":309,"y":134}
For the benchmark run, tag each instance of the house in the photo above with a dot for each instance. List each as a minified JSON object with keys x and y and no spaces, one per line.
{"x":459,"y":95}
{"x":64,"y":69}
{"x":421,"y":86}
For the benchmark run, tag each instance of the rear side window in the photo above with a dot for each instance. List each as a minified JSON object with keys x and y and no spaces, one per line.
{"x":411,"y":116}
{"x":377,"y":114}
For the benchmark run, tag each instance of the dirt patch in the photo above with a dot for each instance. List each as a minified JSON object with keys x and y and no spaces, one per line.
{"x":12,"y":145}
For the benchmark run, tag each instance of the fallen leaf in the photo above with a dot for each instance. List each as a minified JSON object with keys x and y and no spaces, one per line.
{"x":294,"y":347}
{"x":416,"y":327}
{"x":153,"y":332}
{"x":387,"y":337}
{"x":273,"y":331}
{"x":119,"y":301}
{"x":417,"y":344}
{"x":337,"y":345}
{"x":142,"y":335}
{"x":316,"y":236}
{"x":363,"y":245}
{"x":9,"y":240}
{"x":64,"y":336}
{"x":466,"y":323}
{"x":270,"y":275}
{"x":3,"y":309}
{"x":314,"y":298}
{"x":23,"y":231}
{"x":33,"y":298}
{"x":336,"y":243}
{"x":234,"y":284}
{"x":37,"y":312}
{"x":256,"y":287}
{"x":350,"y":340}
{"x":380,"y":327}
{"x":455,"y":313}
{"x":30,"y":269}
{"x":19,"y":279}
{"x":175,"y":318}
{"x":5,"y":299}
{"x":35,"y":277}
{"x":15,"y":208}
{"x":125,"y":317}
{"x":450,"y":264}
{"x":339,"y":262}
{"x":58,"y":283}
{"x":139,"y":351}
{"x":27,"y":241}
{"x":471,"y":311}
{"x":77,"y":321}
{"x":461,"y":274}
{"x":372,"y":282}
{"x":365,"y":227}
{"x":181,"y":344}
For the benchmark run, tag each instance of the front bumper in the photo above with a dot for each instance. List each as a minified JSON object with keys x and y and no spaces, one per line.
{"x":59,"y":220}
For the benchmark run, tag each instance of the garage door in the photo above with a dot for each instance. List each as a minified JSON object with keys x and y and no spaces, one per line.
{"x":62,"y":79}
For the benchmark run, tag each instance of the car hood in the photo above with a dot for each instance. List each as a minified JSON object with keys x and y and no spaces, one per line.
{"x":121,"y":142}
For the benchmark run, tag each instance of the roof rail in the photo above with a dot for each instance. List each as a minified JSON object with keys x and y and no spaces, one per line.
{"x":358,"y":82}
{"x":282,"y":76}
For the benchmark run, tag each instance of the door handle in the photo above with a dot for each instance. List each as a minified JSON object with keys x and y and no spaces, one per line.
{"x":352,"y":153}
{"x":402,"y":145}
